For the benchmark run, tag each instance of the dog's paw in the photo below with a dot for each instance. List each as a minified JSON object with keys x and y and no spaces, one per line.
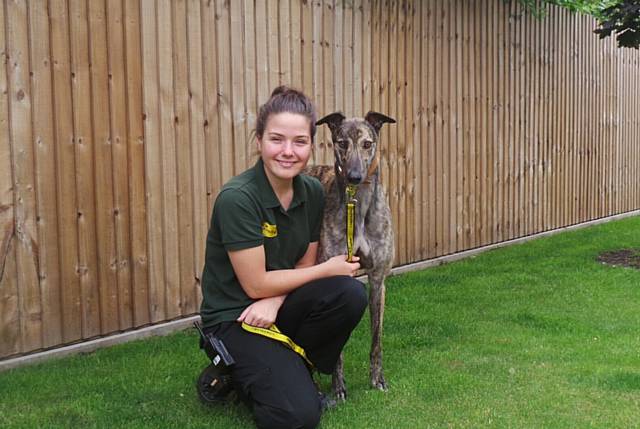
{"x":379,"y":383}
{"x":340,"y":394}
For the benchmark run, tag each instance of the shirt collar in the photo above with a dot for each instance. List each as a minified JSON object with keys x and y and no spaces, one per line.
{"x":268,"y":196}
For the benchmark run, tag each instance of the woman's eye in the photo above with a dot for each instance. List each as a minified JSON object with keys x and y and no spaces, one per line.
{"x":300,"y":142}
{"x":367,"y":144}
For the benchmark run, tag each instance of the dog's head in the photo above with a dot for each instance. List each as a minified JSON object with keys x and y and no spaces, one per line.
{"x":355,"y":144}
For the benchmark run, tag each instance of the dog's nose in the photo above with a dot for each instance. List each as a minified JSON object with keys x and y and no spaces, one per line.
{"x":354,"y":178}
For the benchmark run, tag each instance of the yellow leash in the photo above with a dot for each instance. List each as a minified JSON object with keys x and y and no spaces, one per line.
{"x":274,"y":333}
{"x":351,"y":219}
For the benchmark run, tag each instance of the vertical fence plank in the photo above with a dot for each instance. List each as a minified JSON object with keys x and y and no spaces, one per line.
{"x":352,"y":62}
{"x":439,"y":118}
{"x":555,"y":113}
{"x":486,"y":45}
{"x":250,"y":89}
{"x":519,"y":118}
{"x":399,"y":129}
{"x":427,"y":139}
{"x":412,"y":132}
{"x":85,"y":188}
{"x":153,"y":159}
{"x":167,"y":58}
{"x":103,"y":168}
{"x":119,"y":148}
{"x":197,"y":138}
{"x":210,"y":101}
{"x":71,"y":310}
{"x":296,"y":65}
{"x":541,"y":124}
{"x":225,"y":119}
{"x":467,"y":111}
{"x":184,"y":168}
{"x":10,"y":341}
{"x":45,"y":174}
{"x":136,"y":159}
{"x":359,"y":60}
{"x":262,"y":62}
{"x":315,"y":12}
{"x":374,"y":26}
{"x":547,"y":35}
{"x":284,"y":42}
{"x":511,"y":139}
{"x":328,"y":70}
{"x":337,"y":51}
{"x":458,"y":173}
{"x":237,"y":95}
{"x":498,"y":61}
{"x":367,"y":54}
{"x":273,"y":58}
{"x":533,"y":108}
{"x":562,"y":141}
{"x":21,"y":138}
{"x":383,"y":64}
{"x":444,"y":150}
{"x":406,"y":173}
{"x":307,"y":47}
{"x":394,"y":131}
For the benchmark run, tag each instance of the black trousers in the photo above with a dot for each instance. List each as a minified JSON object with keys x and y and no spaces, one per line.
{"x":273,"y":379}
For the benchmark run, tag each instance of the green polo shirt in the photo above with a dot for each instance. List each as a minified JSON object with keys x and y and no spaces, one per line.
{"x":247,"y":214}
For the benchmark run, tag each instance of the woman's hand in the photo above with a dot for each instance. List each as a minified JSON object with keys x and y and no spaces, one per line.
{"x":263,"y":312}
{"x":338,"y":266}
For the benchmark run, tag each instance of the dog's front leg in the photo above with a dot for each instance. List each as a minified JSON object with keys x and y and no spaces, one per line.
{"x":339,"y":386}
{"x":376,"y":308}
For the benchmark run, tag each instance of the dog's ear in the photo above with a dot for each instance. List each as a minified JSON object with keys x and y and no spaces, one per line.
{"x":377,"y":120}
{"x":333,"y":120}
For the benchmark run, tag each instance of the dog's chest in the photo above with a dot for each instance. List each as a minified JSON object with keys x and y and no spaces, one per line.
{"x":373,"y":240}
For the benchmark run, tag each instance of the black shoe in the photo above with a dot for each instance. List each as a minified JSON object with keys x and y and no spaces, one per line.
{"x":214,"y":386}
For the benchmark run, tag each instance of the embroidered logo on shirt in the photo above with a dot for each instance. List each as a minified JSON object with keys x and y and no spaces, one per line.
{"x":269,"y":230}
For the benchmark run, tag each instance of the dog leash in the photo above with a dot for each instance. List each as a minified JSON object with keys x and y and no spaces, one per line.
{"x":274,"y":333}
{"x":351,"y":219}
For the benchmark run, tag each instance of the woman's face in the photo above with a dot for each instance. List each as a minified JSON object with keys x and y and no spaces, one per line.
{"x":285,"y":146}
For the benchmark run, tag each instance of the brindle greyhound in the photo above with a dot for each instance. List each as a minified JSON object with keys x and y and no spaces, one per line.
{"x":355,"y":143}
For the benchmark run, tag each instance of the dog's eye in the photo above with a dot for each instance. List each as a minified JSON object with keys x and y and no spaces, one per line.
{"x":342,"y":144}
{"x":367,"y":144}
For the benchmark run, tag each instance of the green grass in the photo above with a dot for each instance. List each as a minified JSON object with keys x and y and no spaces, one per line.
{"x":533,"y":335}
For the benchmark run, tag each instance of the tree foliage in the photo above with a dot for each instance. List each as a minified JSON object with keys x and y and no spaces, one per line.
{"x":619,"y":17}
{"x":623,"y":19}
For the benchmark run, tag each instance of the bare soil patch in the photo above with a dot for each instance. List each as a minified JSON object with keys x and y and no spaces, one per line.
{"x":621,"y":258}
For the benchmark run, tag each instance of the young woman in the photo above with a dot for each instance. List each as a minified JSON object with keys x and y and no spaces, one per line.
{"x":260,"y":269}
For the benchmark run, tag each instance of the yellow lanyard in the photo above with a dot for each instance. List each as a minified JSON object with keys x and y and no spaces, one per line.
{"x":274,"y":333}
{"x":351,"y":219}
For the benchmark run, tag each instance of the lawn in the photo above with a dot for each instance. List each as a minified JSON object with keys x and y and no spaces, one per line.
{"x":533,"y":335}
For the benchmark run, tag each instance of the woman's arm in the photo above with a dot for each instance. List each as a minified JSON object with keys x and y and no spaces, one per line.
{"x":263,"y":312}
{"x":309,"y":257}
{"x":257,"y":282}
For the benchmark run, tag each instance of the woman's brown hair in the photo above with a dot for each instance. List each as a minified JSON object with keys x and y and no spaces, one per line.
{"x":286,"y":100}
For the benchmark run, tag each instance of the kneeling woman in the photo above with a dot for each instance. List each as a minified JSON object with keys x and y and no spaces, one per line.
{"x":260,"y":269}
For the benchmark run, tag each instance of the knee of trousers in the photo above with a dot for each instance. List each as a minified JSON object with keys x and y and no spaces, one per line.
{"x":302,"y":417}
{"x":353,"y":296}
{"x":275,"y":405}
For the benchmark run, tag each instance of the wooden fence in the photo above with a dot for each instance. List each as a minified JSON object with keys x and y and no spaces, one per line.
{"x":120,"y":120}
